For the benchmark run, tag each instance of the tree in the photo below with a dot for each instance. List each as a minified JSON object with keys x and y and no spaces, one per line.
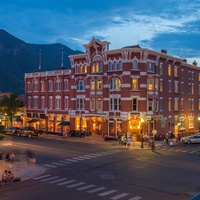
{"x":9,"y":106}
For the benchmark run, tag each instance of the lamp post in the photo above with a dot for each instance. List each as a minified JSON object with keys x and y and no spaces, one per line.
{"x":142,"y":134}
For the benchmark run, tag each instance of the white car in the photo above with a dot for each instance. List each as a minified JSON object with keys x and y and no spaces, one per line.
{"x":192,"y":139}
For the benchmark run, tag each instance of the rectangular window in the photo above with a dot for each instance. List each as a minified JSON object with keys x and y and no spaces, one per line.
{"x":156,"y":105}
{"x":182,"y":73}
{"x":28,"y":87}
{"x":161,"y":68}
{"x":150,"y":104}
{"x":150,"y":84}
{"x":169,"y":70}
{"x":161,"y":85}
{"x":182,"y":88}
{"x":29,"y":102}
{"x":115,"y":104}
{"x":66,"y":103}
{"x":151,"y":66}
{"x":176,"y":104}
{"x":50,"y":103}
{"x":182,"y":104}
{"x":35,"y":102}
{"x":169,"y":85}
{"x":92,"y":104}
{"x":176,"y":86}
{"x":176,"y":71}
{"x":35,"y":87}
{"x":191,"y":122}
{"x":99,"y":84}
{"x":80,"y":85}
{"x":170,"y":104}
{"x":161,"y":104}
{"x":58,"y":106}
{"x":66,"y":85}
{"x":42,"y":103}
{"x":135,"y":83}
{"x":199,"y":104}
{"x":92,"y":85}
{"x":99,"y":104}
{"x":134,"y":108}
{"x":80,"y":104}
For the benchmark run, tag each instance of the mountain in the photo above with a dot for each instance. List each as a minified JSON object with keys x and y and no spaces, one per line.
{"x":18,"y":57}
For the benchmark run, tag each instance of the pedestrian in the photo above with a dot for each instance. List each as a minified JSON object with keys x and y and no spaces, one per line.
{"x":5,"y":176}
{"x":167,"y":138}
{"x":124,"y":141}
{"x":171,"y":143}
{"x":128,"y":142}
{"x":119,"y":138}
{"x":152,"y":146}
{"x":10,"y":176}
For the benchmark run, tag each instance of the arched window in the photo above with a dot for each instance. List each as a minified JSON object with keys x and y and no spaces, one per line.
{"x":135,"y":64}
{"x":120,"y":65}
{"x":115,"y":65}
{"x":115,"y":84}
{"x":110,"y":66}
{"x":58,"y":84}
{"x":80,"y":85}
{"x":42,"y":86}
{"x":50,"y":85}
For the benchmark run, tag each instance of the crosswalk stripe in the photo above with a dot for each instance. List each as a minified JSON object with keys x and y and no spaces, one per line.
{"x":40,"y":177}
{"x":75,"y":185}
{"x":193,"y":151}
{"x":119,"y":196}
{"x":84,"y":157}
{"x":48,"y":179}
{"x":62,"y":161}
{"x":90,"y":156}
{"x":185,"y":151}
{"x":136,"y":198}
{"x":71,"y":160}
{"x":66,"y":182}
{"x":85,"y":187}
{"x":47,"y":165}
{"x":107,"y":193}
{"x":59,"y":164}
{"x":58,"y":180}
{"x":78,"y":159}
{"x":96,"y":190}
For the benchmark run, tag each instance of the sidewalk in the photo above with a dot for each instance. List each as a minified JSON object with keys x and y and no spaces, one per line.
{"x":21,"y":169}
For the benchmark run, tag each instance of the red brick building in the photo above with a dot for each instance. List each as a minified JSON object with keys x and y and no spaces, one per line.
{"x":133,"y":90}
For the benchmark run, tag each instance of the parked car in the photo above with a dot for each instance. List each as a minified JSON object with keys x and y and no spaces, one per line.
{"x":192,"y":139}
{"x":28,"y":131}
{"x":12,"y":130}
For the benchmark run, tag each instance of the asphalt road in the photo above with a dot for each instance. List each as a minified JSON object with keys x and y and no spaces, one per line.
{"x":82,"y":171}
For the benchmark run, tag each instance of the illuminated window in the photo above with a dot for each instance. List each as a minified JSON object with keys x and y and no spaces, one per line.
{"x":169,"y":70}
{"x":115,"y":84}
{"x":42,"y":86}
{"x":150,"y":84}
{"x":85,"y":68}
{"x":99,"y":84}
{"x":199,"y":104}
{"x":176,"y":86}
{"x":92,"y":104}
{"x":191,"y":120}
{"x":81,"y":69}
{"x":161,"y":85}
{"x":135,"y":83}
{"x":170,"y":104}
{"x":92,"y":85}
{"x":176,"y":71}
{"x":176,"y":104}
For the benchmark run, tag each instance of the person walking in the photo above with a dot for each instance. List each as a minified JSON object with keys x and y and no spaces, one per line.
{"x":122,"y":140}
{"x":128,"y":142}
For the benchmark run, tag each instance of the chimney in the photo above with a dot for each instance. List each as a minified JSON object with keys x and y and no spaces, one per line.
{"x":164,"y":51}
{"x":185,"y":60}
{"x":195,"y":63}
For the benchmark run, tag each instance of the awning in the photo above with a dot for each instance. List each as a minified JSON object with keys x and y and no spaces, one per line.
{"x":32,"y":121}
{"x":64,"y":123}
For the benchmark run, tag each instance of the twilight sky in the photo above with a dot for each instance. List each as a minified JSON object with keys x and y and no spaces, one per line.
{"x":173,"y":25}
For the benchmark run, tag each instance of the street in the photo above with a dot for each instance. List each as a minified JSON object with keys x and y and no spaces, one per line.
{"x":84,"y":171}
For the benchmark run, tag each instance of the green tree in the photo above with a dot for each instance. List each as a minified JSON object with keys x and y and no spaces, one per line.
{"x":9,"y":106}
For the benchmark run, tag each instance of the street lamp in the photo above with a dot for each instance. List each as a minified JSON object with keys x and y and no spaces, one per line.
{"x":142,"y":135}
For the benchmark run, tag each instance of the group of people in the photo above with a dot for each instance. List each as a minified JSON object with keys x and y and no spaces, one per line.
{"x":7,"y":176}
{"x":10,"y":157}
{"x":124,"y":141}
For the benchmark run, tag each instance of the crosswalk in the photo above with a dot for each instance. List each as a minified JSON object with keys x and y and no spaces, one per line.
{"x":101,"y":191}
{"x":190,"y":151}
{"x":77,"y":159}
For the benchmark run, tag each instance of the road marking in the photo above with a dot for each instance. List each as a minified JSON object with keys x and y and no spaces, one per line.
{"x":59,"y":164}
{"x":96,"y":190}
{"x":185,"y":151}
{"x":192,"y":151}
{"x":86,"y":187}
{"x":119,"y":196}
{"x":77,"y":184}
{"x":58,"y":180}
{"x":107,"y":193}
{"x":64,"y":183}
{"x":77,"y":159}
{"x":40,"y":177}
{"x":62,"y":161}
{"x":71,"y":160}
{"x":84,"y":157}
{"x":48,"y":179}
{"x":135,"y":198}
{"x":47,"y":165}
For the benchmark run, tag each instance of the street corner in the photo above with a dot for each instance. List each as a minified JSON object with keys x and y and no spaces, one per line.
{"x":22,"y":170}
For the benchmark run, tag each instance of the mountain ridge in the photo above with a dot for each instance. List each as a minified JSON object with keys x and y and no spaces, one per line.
{"x":18,"y":57}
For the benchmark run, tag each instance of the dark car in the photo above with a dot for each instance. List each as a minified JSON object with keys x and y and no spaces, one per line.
{"x":12,"y":130}
{"x":28,"y":131}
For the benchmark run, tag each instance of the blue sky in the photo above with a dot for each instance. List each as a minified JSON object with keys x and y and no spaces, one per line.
{"x":173,"y":25}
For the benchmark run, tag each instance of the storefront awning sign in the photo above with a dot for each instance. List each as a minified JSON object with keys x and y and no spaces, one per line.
{"x":64,"y":123}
